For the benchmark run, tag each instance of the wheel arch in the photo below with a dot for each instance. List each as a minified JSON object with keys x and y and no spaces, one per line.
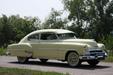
{"x":69,"y":51}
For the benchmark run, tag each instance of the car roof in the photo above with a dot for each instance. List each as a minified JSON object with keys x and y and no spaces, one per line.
{"x":58,"y":31}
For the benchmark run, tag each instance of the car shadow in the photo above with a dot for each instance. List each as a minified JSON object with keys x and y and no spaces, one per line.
{"x":62,"y":65}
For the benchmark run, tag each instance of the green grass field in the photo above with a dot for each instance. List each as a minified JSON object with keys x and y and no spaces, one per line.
{"x":15,"y":71}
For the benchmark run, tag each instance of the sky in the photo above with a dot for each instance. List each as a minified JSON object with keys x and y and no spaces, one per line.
{"x":33,"y":8}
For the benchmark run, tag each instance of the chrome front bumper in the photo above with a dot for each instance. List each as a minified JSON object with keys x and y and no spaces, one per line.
{"x":94,"y":55}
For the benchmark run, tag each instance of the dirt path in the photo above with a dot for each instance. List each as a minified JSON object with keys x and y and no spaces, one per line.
{"x":56,"y":66}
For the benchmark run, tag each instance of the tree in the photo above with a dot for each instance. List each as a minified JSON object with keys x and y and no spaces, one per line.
{"x":92,"y":16}
{"x":14,"y":28}
{"x":6,"y":31}
{"x":55,"y":21}
{"x":103,"y":23}
{"x":77,"y":12}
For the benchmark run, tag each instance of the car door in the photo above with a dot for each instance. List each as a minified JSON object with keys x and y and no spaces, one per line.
{"x":34,"y":41}
{"x":48,"y":46}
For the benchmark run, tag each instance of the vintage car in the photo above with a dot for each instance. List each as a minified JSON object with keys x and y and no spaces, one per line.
{"x":58,"y":44}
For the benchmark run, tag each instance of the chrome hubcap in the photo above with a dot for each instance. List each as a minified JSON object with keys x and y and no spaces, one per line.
{"x":73,"y":59}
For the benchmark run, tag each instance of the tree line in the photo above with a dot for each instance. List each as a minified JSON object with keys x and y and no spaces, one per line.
{"x":13,"y":28}
{"x":92,"y":16}
{"x":87,"y":18}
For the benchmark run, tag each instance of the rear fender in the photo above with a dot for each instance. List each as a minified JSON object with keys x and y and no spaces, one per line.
{"x":23,"y":49}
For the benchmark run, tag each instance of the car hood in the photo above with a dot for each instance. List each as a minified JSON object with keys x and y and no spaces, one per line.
{"x":89,"y":42}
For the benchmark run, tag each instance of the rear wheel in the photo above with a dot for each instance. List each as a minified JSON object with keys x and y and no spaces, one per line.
{"x":44,"y":60}
{"x":22,"y":59}
{"x":73,"y":59}
{"x":93,"y":62}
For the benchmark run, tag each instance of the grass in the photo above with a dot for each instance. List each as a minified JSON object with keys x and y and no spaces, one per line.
{"x":15,"y":71}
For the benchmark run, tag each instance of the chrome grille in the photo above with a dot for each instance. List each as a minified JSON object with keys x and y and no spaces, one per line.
{"x":96,"y":53}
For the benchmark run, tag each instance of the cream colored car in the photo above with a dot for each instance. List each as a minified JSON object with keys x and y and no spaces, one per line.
{"x":58,"y":44}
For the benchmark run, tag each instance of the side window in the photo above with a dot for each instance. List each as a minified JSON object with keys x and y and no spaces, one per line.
{"x":48,"y":36}
{"x":33,"y":37}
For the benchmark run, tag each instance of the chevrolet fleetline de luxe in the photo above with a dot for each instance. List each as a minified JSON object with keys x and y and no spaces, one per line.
{"x":58,"y":44}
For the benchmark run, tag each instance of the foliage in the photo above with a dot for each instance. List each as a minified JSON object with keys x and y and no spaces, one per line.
{"x":76,"y":15}
{"x":108,"y":41}
{"x":54,"y":21}
{"x":14,"y":71}
{"x":2,"y":51}
{"x":92,"y":17}
{"x":13,"y":28}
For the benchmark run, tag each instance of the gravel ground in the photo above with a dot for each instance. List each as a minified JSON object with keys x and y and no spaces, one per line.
{"x":34,"y":64}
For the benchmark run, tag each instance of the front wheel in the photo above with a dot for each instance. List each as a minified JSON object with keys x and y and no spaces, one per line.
{"x":22,"y":59}
{"x":93,"y":62}
{"x":73,"y":59}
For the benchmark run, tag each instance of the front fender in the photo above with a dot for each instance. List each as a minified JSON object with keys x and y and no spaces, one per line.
{"x":101,"y":46}
{"x":80,"y":48}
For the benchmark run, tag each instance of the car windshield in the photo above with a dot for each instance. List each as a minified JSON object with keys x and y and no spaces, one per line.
{"x":66,"y":36}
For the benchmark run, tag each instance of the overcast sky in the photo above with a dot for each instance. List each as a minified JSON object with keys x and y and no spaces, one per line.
{"x":40,"y":8}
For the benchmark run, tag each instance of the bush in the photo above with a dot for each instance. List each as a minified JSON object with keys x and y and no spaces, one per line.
{"x":2,"y":51}
{"x":108,"y":41}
